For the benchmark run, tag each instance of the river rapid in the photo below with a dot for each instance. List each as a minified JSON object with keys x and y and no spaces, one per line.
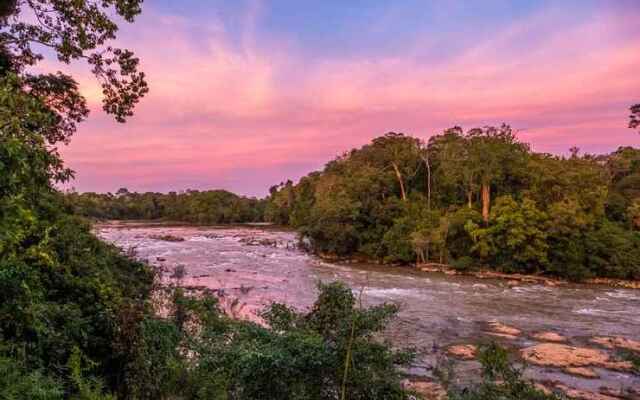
{"x":251,"y":267}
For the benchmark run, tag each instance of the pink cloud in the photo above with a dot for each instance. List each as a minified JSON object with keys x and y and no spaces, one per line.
{"x":247,"y":115}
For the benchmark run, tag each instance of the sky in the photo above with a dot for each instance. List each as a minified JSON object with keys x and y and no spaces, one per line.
{"x":247,"y":94}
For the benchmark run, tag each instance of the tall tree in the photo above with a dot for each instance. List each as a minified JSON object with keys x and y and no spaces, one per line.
{"x":398,"y":152}
{"x":451,"y":161}
{"x":495,"y":153}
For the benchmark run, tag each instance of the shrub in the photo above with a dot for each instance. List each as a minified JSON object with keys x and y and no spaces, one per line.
{"x":500,"y":380}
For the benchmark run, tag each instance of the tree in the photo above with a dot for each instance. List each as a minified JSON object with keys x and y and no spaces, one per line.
{"x":452,"y":164}
{"x":395,"y":151}
{"x":62,"y":290}
{"x":634,"y":118}
{"x":495,"y":154}
{"x":516,"y":238}
{"x":425,"y":156}
{"x":73,"y":30}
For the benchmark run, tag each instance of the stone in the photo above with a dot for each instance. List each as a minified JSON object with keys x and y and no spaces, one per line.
{"x":463,"y":351}
{"x":562,"y":356}
{"x":584,"y":395}
{"x":583,"y":372}
{"x":498,"y":327}
{"x":549,"y":337}
{"x":617,"y":342}
{"x":542,"y":388}
{"x":502,"y":335}
{"x":426,"y":390}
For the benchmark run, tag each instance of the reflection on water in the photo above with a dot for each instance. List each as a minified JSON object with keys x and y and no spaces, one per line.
{"x":258,"y":266}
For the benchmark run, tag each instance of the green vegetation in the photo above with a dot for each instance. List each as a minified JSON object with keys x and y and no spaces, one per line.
{"x":206,"y":207}
{"x":475,"y":198}
{"x":302,"y":356}
{"x":78,"y":318}
{"x":501,"y":380}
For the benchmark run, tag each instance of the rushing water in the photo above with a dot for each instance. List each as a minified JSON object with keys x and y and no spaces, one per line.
{"x":255,"y":266}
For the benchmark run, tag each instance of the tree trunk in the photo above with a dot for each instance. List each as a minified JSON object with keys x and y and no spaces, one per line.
{"x":469,"y":198}
{"x":399,"y":175}
{"x":486,"y":202}
{"x":425,"y":158}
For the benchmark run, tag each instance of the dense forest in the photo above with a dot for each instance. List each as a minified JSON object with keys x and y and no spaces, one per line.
{"x":474,"y":198}
{"x":198,"y":207}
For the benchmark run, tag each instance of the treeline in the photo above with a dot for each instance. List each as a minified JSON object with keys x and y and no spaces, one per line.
{"x":474,"y":198}
{"x":199,"y":207}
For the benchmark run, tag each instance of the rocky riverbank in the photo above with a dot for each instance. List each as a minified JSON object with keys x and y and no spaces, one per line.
{"x":552,"y":352}
{"x":517,"y":279}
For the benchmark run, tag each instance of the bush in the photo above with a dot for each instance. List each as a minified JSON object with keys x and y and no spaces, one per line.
{"x":303,"y":356}
{"x":501,"y":380}
{"x":17,"y":383}
{"x":464,"y":263}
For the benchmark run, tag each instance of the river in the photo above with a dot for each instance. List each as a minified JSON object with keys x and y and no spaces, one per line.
{"x":251,"y":267}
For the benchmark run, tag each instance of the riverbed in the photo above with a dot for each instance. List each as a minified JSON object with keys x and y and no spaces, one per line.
{"x":250,"y":267}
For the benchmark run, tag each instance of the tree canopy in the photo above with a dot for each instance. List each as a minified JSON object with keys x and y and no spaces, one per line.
{"x":79,"y":30}
{"x":398,"y":199}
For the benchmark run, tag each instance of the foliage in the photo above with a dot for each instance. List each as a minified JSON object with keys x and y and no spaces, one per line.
{"x":302,"y":356}
{"x":206,"y":207}
{"x":72,"y":30}
{"x":398,"y":200}
{"x":62,"y":290}
{"x":516,"y":240}
{"x":18,"y":383}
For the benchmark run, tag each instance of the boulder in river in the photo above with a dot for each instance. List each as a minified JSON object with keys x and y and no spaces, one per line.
{"x":427,"y":390}
{"x":617,"y":342}
{"x":463,"y":351}
{"x":563,"y":356}
{"x":502,"y":330}
{"x":583,"y":372}
{"x":584,"y":395}
{"x":549,"y":337}
{"x":168,"y":238}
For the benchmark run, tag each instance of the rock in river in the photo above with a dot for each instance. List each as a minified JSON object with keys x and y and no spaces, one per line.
{"x":617,"y":342}
{"x":549,"y":337}
{"x":463,"y":351}
{"x":562,"y":356}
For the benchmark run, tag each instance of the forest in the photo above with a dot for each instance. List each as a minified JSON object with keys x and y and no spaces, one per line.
{"x":469,"y":199}
{"x":192,"y":206}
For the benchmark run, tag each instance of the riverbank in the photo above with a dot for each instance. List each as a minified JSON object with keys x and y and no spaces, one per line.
{"x":524,"y":278}
{"x":486,"y":273}
{"x":481,"y":273}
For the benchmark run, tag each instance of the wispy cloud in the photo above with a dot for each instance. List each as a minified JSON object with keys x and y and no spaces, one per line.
{"x":243,"y":111}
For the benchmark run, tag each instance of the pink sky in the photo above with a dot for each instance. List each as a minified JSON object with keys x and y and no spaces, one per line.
{"x":240,"y":110}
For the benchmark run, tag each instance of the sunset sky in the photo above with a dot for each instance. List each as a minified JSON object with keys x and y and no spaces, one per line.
{"x":246,"y":94}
